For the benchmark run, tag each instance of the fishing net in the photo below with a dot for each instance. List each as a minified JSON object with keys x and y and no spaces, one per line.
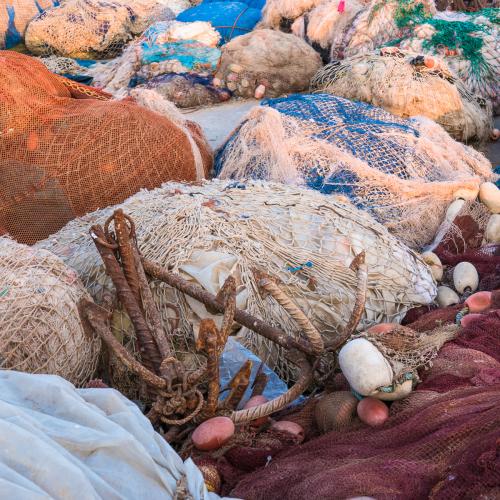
{"x":377,"y":25}
{"x":439,"y":443}
{"x":15,"y":16}
{"x":230,"y":19}
{"x":470,"y":44}
{"x":187,"y":90}
{"x":281,"y":13}
{"x":40,"y":329}
{"x":327,"y":23}
{"x":61,"y":156}
{"x":401,"y":83}
{"x":164,"y":48}
{"x":403,"y":172}
{"x":92,"y":29}
{"x":303,"y":239}
{"x":259,"y":59}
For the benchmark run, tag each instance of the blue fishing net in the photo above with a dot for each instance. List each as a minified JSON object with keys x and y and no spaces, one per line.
{"x":358,"y":128}
{"x":230,"y":19}
{"x":193,"y":55}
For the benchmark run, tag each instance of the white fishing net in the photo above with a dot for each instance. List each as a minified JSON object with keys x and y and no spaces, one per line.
{"x":40,"y":328}
{"x":408,"y":84}
{"x":303,"y":239}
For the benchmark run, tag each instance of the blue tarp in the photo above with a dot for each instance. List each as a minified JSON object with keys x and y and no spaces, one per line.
{"x":230,"y":19}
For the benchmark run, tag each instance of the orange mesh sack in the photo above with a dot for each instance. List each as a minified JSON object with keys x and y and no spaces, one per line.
{"x":40,"y":328}
{"x":61,"y":157}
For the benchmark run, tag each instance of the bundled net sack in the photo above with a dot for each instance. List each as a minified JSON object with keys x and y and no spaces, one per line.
{"x":445,"y":434}
{"x":164,"y":48}
{"x":15,"y":16}
{"x":403,"y":172}
{"x":280,"y":14}
{"x":407,"y":85}
{"x":301,"y":238}
{"x":61,"y":157}
{"x":279,"y":62}
{"x":187,"y":90}
{"x":90,"y":29}
{"x":469,"y":43}
{"x":230,"y":19}
{"x":60,"y":442}
{"x":327,"y":23}
{"x":377,"y":25}
{"x":40,"y":328}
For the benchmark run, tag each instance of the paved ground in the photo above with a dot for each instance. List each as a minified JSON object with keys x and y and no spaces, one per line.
{"x":493,"y":151}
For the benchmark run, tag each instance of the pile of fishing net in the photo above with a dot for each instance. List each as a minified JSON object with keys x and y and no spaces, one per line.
{"x":90,"y":29}
{"x":327,"y":23}
{"x":66,"y":149}
{"x":164,"y":48}
{"x":403,"y":172}
{"x":469,"y":43}
{"x":280,"y":14}
{"x":440,"y":442}
{"x":230,"y":19}
{"x":304,"y":240}
{"x":270,"y":61}
{"x":15,"y":16}
{"x":61,"y":442}
{"x":408,"y":84}
{"x":40,"y":328}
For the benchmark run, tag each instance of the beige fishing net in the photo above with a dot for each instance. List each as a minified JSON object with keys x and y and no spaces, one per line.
{"x":403,"y":172}
{"x":303,"y":239}
{"x":376,"y":26}
{"x":40,"y":328}
{"x":404,"y":84}
{"x":15,"y":16}
{"x":282,"y":63}
{"x":281,"y":13}
{"x":91,"y":29}
{"x":67,"y":149}
{"x":407,"y":350}
{"x":328,"y":22}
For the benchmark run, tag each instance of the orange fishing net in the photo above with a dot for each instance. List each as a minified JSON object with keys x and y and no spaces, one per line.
{"x":66,"y":149}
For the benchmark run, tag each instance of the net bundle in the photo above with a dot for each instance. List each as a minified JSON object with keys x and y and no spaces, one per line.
{"x":166,"y":47}
{"x":327,"y":24}
{"x":15,"y":16}
{"x":61,"y":156}
{"x":403,"y":84}
{"x":378,"y":25}
{"x":92,"y":29}
{"x":40,"y":328}
{"x":442,"y":439}
{"x":259,"y":59}
{"x":302,"y":239}
{"x":281,"y":13}
{"x":403,"y":172}
{"x":469,"y":43}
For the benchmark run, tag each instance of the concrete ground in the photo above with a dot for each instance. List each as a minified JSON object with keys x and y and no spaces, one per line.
{"x":493,"y":149}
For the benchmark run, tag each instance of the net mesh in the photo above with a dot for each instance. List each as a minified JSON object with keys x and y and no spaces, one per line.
{"x":469,"y":43}
{"x":79,"y":154}
{"x":15,"y":16}
{"x":440,"y":442}
{"x":257,"y":59}
{"x":403,"y":172}
{"x":401,"y":83}
{"x":299,"y":237}
{"x":278,"y":12}
{"x":40,"y":329}
{"x":95,"y":29}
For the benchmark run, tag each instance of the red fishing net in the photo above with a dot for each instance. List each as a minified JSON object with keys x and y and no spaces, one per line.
{"x":441,"y":442}
{"x":62,"y":156}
